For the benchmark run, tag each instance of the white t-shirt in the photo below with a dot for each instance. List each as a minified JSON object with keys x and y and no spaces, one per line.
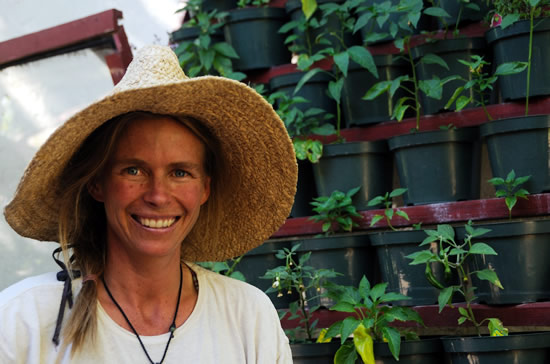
{"x":233,"y":322}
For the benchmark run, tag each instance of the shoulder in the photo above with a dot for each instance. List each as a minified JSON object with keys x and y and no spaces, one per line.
{"x":230,"y":289}
{"x":38,"y":287}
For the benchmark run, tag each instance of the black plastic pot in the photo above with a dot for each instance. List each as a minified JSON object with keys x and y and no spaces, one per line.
{"x":253,"y":33}
{"x":345,"y":166}
{"x":425,"y":351}
{"x":317,"y":353}
{"x":255,"y":264}
{"x":450,"y":50}
{"x":520,"y":144}
{"x":511,"y":45}
{"x":529,"y":348}
{"x":314,"y":90}
{"x":192,"y":33}
{"x":391,"y":249}
{"x":438,"y":166}
{"x":305,"y":191}
{"x":461,"y":13}
{"x":220,"y":5}
{"x":521,"y":264}
{"x":349,"y":254}
{"x":357,"y":111}
{"x":294,"y":10}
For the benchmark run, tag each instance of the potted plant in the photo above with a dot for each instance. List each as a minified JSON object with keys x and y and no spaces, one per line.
{"x":301,"y":125}
{"x":370,"y":319}
{"x":510,"y":189}
{"x":250,"y":28}
{"x":531,"y":132}
{"x":201,"y":47}
{"x":457,"y":256}
{"x":339,"y":247}
{"x":304,"y":282}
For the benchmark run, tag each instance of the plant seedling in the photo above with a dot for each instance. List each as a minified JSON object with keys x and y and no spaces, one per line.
{"x":389,"y":211}
{"x":297,"y":277}
{"x":336,"y":211}
{"x":509,"y":189}
{"x":455,"y":256}
{"x":481,"y":82}
{"x":226,"y":268}
{"x":371,"y":320}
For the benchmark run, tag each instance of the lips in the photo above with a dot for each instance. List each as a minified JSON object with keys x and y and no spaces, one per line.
{"x":156,"y":223}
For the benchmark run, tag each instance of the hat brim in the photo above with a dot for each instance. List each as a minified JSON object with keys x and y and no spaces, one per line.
{"x":252,"y":138}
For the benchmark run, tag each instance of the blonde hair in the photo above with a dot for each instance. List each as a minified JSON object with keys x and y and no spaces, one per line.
{"x":82,"y":222}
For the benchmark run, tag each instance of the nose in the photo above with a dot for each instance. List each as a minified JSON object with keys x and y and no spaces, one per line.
{"x":157,"y":192}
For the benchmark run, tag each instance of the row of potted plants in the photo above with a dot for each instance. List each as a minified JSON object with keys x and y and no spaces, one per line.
{"x":412,"y":83}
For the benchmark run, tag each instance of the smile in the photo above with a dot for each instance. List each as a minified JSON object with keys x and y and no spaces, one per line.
{"x":155,"y":223}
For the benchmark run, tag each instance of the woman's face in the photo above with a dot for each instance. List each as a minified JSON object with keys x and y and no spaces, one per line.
{"x":153,"y":187}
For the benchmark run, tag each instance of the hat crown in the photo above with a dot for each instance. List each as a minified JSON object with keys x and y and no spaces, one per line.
{"x":152,"y":65}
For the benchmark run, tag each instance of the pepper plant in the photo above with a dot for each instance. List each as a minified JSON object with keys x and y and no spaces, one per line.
{"x":302,"y":124}
{"x":226,"y":268}
{"x":481,"y":82}
{"x":510,"y":11}
{"x":455,"y":256}
{"x":389,"y":211}
{"x":201,"y":56}
{"x":295,"y":277}
{"x":371,"y":320}
{"x":509,"y":188}
{"x":336,"y":211}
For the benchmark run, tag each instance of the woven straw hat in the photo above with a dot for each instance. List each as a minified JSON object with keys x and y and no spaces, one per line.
{"x":253,"y":139}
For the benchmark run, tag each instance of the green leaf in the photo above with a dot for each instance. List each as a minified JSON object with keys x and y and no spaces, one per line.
{"x":341,"y":60}
{"x":397,"y":192}
{"x":400,"y":109}
{"x":348,"y":326}
{"x":446,"y":231}
{"x":335,"y":90}
{"x":306,"y":78}
{"x":309,"y":7}
{"x":225,"y":49}
{"x":403,"y":214}
{"x":509,"y":20}
{"x":432,"y":88}
{"x":394,"y":340}
{"x":377,"y":89}
{"x":462,"y":102}
{"x":444,"y":297}
{"x":378,"y":290}
{"x":482,"y":248}
{"x":510,"y":68}
{"x":421,"y":257}
{"x":437,"y":12}
{"x":364,"y":58}
{"x":343,"y":307}
{"x":346,"y":354}
{"x":510,"y":202}
{"x":462,"y":320}
{"x":431,"y":58}
{"x":489,"y":275}
{"x":375,"y":219}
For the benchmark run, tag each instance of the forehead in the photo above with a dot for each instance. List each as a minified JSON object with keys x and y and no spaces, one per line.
{"x":157,"y":134}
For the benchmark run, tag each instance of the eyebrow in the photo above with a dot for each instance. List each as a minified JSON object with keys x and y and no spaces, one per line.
{"x":140,"y":163}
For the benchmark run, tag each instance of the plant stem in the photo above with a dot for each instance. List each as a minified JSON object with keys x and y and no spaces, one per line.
{"x":235,"y":262}
{"x":531,"y":16}
{"x":415,"y":82}
{"x":300,"y":291}
{"x":484,"y":107}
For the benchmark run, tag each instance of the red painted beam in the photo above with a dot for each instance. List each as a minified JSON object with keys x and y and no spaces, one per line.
{"x":527,"y":314}
{"x":59,"y":36}
{"x":450,"y":212}
{"x":67,"y":35}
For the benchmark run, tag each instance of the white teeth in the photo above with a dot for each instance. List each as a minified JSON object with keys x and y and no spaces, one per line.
{"x":156,"y":224}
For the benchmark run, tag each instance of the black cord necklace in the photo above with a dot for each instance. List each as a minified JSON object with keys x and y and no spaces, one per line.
{"x":172,"y":326}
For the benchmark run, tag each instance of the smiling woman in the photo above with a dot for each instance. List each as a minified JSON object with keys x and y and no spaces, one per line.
{"x":164,"y":171}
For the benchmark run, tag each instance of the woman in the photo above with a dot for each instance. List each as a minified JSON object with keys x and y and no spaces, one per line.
{"x":162,"y":172}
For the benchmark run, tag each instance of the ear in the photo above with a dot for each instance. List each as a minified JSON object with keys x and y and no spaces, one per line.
{"x":95,"y":190}
{"x":206,"y":191}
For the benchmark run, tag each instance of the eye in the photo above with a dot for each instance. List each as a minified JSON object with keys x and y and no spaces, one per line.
{"x":180,"y":173}
{"x":133,"y":171}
